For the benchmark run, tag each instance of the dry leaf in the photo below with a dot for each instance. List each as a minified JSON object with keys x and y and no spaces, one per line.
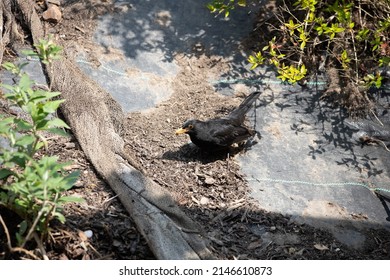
{"x":300,"y":252}
{"x":254,"y":244}
{"x":321,"y":247}
{"x":82,"y":236}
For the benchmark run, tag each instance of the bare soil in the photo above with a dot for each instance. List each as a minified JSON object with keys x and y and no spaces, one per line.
{"x":209,"y":188}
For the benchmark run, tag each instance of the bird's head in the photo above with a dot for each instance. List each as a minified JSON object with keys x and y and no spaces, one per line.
{"x":187,"y":127}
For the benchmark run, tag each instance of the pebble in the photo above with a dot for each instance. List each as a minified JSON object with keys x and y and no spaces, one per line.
{"x":209,"y":181}
{"x":88,"y":233}
{"x":52,"y":14}
{"x":204,"y":200}
{"x":78,"y":184}
{"x":70,"y":145}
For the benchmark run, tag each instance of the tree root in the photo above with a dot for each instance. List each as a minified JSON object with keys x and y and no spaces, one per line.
{"x":9,"y":33}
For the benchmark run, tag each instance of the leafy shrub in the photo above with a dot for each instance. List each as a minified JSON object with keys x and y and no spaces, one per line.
{"x":307,"y":35}
{"x":30,"y":185}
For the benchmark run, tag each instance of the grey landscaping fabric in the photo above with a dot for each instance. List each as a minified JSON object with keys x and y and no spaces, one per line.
{"x":308,"y":163}
{"x":311,"y":165}
{"x":145,"y":38}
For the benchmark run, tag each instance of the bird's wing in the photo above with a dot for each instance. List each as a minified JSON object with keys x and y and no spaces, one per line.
{"x":228,"y":133}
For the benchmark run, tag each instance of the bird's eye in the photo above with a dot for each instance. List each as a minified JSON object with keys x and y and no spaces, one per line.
{"x":190,"y":126}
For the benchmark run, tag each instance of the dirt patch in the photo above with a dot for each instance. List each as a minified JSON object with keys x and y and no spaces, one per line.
{"x":209,"y":188}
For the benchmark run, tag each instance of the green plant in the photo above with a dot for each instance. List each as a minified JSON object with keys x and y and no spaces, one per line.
{"x":291,"y":73}
{"x":47,"y":51}
{"x":33,"y":185}
{"x":350,"y":36}
{"x":225,"y":6}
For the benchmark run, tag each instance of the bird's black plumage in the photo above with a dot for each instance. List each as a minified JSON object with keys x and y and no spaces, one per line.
{"x":220,"y":133}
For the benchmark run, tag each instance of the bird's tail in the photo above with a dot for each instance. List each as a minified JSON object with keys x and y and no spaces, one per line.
{"x":238,"y":114}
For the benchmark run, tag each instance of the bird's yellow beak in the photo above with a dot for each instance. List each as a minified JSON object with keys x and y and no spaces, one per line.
{"x":181,"y":131}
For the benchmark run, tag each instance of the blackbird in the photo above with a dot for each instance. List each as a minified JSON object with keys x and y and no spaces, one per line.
{"x":220,"y":133}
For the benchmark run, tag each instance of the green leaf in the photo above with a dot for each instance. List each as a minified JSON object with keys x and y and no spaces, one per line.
{"x":22,"y":124}
{"x":22,"y":227}
{"x":25,"y":140}
{"x":58,"y":131}
{"x":56,"y":122}
{"x":9,"y":66}
{"x":19,"y":238}
{"x":384,"y":61}
{"x":242,"y":3}
{"x":52,"y":106}
{"x":41,"y":95}
{"x":378,"y":82}
{"x":7,"y":121}
{"x":303,"y":69}
{"x":291,"y":25}
{"x":71,"y":179}
{"x":4,"y":198}
{"x":41,"y":124}
{"x":303,"y":45}
{"x":25,"y":82}
{"x":19,"y":159}
{"x":60,"y":217}
{"x":42,"y":143}
{"x":211,"y":8}
{"x":66,"y":199}
{"x":5,"y":125}
{"x":53,"y":123}
{"x":30,"y":53}
{"x":8,"y":87}
{"x":252,"y":59}
{"x":14,"y":69}
{"x":4,"y":173}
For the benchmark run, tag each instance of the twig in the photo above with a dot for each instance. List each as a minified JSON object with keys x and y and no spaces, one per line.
{"x":236,"y":204}
{"x":32,"y":228}
{"x":40,"y":246}
{"x":355,"y":54}
{"x":383,"y":143}
{"x":6,"y":233}
{"x":109,"y":199}
{"x":360,"y":13}
{"x":24,"y":251}
{"x":15,"y":249}
{"x":376,"y":117}
{"x":244,"y":216}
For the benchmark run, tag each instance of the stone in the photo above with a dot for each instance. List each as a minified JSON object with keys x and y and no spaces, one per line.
{"x":52,"y":14}
{"x":204,"y":201}
{"x":209,"y":180}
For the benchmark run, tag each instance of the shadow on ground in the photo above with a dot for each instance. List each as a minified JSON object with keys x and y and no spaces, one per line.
{"x":243,"y":233}
{"x":310,"y":163}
